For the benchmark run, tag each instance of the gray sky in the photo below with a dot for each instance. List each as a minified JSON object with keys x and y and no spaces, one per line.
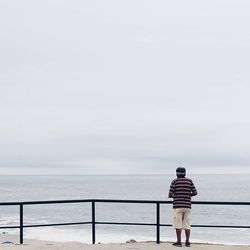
{"x":119,"y":87}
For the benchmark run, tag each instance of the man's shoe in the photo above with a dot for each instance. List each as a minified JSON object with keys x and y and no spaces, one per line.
{"x":187,"y":244}
{"x":177,"y":244}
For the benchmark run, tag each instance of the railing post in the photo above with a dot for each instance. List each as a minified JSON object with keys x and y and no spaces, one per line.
{"x":158,"y":223}
{"x":93,"y":222}
{"x":21,"y":223}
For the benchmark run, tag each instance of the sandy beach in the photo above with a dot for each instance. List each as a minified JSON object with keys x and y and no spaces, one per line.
{"x":11,"y":242}
{"x":122,"y":246}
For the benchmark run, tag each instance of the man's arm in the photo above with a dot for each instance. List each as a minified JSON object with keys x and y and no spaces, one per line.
{"x":170,"y":194}
{"x":171,"y":191}
{"x":194,"y":190}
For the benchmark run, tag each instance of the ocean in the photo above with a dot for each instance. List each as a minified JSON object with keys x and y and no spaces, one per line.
{"x":149,"y":187}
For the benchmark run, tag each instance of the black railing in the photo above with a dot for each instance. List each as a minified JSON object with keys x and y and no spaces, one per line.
{"x":93,"y":222}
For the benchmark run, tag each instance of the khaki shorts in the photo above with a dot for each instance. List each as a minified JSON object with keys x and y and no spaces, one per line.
{"x":181,"y":218}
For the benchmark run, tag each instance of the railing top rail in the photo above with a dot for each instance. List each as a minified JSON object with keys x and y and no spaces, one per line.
{"x":170,"y":202}
{"x":119,"y":201}
{"x":45,"y":202}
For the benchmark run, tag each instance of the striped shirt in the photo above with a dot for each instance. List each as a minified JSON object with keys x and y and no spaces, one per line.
{"x":181,"y":190}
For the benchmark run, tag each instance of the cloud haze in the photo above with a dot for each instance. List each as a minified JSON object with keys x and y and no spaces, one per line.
{"x":102,"y":87}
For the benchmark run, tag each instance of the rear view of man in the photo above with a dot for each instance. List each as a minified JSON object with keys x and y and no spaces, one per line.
{"x":181,"y":190}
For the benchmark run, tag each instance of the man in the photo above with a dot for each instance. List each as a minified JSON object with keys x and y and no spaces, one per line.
{"x":181,"y":190}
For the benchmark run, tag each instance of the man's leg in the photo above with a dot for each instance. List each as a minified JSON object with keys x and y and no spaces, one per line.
{"x":178,"y":226}
{"x":186,"y":225}
{"x":178,"y":235}
{"x":187,"y":232}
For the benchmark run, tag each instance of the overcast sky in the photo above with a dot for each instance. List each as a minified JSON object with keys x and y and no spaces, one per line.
{"x":120,"y":87}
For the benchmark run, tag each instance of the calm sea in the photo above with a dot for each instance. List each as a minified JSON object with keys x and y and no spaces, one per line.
{"x":155,"y":187}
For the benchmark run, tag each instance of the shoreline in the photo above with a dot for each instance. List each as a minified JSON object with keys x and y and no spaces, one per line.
{"x":10,"y":241}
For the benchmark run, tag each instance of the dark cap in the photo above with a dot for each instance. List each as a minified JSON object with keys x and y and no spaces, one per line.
{"x":180,"y":170}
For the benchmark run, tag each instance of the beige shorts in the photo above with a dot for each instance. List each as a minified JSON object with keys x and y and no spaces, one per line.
{"x":181,"y":218}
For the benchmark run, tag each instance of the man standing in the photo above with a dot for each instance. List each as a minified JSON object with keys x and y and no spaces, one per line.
{"x":181,"y":190}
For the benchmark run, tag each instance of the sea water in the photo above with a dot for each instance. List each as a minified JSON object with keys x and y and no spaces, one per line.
{"x":148,"y":187}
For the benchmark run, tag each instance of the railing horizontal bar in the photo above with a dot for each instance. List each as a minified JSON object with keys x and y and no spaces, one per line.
{"x":7,"y":227}
{"x":220,"y":226}
{"x":44,"y":202}
{"x":220,"y":203}
{"x":166,"y":225}
{"x":125,"y":223}
{"x":131,"y":201}
{"x":58,"y":224}
{"x":170,"y":202}
{"x":10,"y":203}
{"x":49,"y":225}
{"x":119,"y":201}
{"x":120,"y":223}
{"x":215,"y":226}
{"x":55,"y":202}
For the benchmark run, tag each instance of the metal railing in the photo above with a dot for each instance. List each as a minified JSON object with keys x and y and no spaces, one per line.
{"x":93,"y":221}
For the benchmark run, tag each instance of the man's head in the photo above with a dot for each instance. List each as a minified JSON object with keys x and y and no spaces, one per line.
{"x":180,"y":172}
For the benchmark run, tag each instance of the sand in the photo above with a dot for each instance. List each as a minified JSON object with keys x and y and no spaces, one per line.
{"x":30,"y":244}
{"x":124,"y":246}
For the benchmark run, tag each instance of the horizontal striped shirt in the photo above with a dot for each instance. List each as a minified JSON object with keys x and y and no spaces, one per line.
{"x":181,"y":190}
